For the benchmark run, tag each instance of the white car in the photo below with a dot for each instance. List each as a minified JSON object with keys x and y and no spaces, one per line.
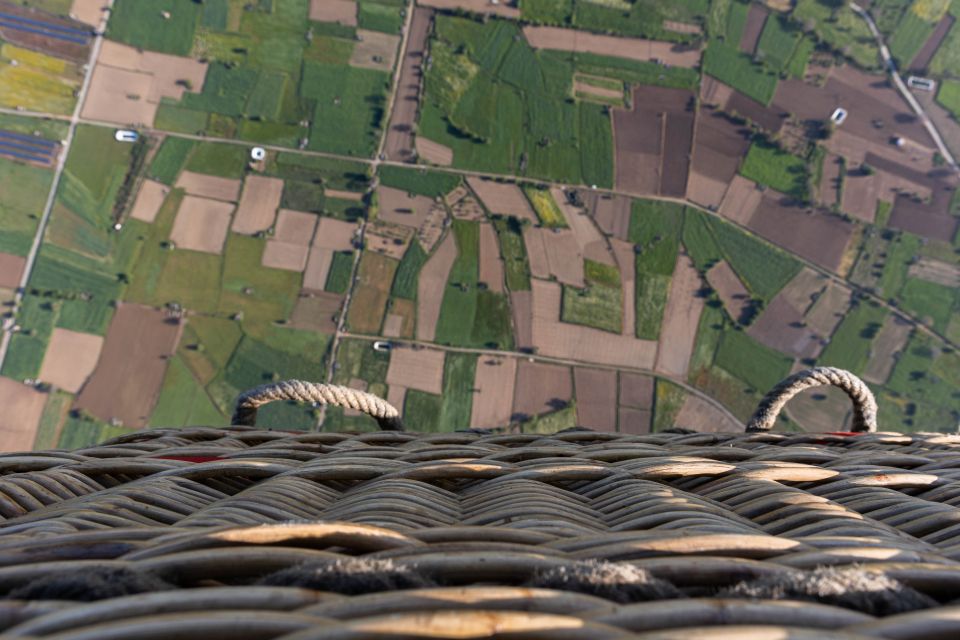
{"x":126,"y":135}
{"x":838,"y":116}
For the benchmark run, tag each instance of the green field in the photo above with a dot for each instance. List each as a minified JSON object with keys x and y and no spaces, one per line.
{"x":922,"y":389}
{"x":949,"y":96}
{"x":471,"y":316}
{"x":350,"y":105}
{"x":144,"y":25}
{"x":730,"y":65}
{"x":80,"y":432}
{"x":764,"y":269}
{"x":24,"y":188}
{"x":599,"y":304}
{"x":849,"y":346}
{"x":219,"y":159}
{"x":909,"y":37}
{"x":841,"y":29}
{"x":778,"y":42}
{"x":931,"y":303}
{"x":655,"y":231}
{"x":408,"y":273}
{"x":771,"y":166}
{"x":514,"y":252}
{"x":641,"y":19}
{"x":450,"y":411}
{"x":547,"y":11}
{"x":668,"y":400}
{"x":341,"y":268}
{"x":170,"y":158}
{"x":759,"y":366}
{"x":380,"y":15}
{"x":424,"y":182}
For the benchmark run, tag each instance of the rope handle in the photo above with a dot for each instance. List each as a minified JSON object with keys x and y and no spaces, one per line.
{"x":245,"y":413}
{"x":864,"y":404}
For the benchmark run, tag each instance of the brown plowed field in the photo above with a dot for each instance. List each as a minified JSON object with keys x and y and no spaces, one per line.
{"x":126,"y":383}
{"x":434,"y":152}
{"x":681,"y":318}
{"x":591,"y":242}
{"x":667,"y":53}
{"x":343,"y":195}
{"x":477,"y":6}
{"x":885,"y":348}
{"x":612,"y":213}
{"x":491,"y":265}
{"x":541,"y":388}
{"x":681,"y":27}
{"x":375,"y":50}
{"x":756,"y":18}
{"x":678,"y":138}
{"x":637,"y":137}
{"x":859,"y":195}
{"x":285,"y":255}
{"x":22,"y":408}
{"x":781,"y":327}
{"x":400,"y":142}
{"x":733,"y":295}
{"x":432,"y":284}
{"x":714,"y":94}
{"x":317,"y":312}
{"x":922,"y":60}
{"x":11,"y":270}
{"x":769,"y":118}
{"x":201,"y":224}
{"x":818,"y":237}
{"x":804,"y":289}
{"x":830,"y":181}
{"x":87,"y":11}
{"x":417,"y":369}
{"x":563,"y":255}
{"x":318,"y":268}
{"x":109,"y":97}
{"x":73,"y":51}
{"x":634,"y":421}
{"x":198,"y":184}
{"x":369,"y":302}
{"x":915,"y":217}
{"x":706,"y":191}
{"x":574,"y":342}
{"x":335,"y":234}
{"x":392,"y":325}
{"x":149,"y":200}
{"x":699,"y":415}
{"x":399,"y":207}
{"x":70,"y":359}
{"x":389,"y":239}
{"x":741,"y":202}
{"x":636,"y":390}
{"x":342,"y":11}
{"x":493,"y":397}
{"x":397,"y":396}
{"x":295,"y":227}
{"x":521,"y":307}
{"x":829,"y":310}
{"x":258,"y":204}
{"x":503,"y":198}
{"x":718,"y":147}
{"x":596,"y":391}
{"x":536,"y":252}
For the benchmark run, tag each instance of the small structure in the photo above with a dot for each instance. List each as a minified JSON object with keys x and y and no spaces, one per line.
{"x":126,"y":135}
{"x":382,"y":346}
{"x":258,"y":153}
{"x":924,"y":84}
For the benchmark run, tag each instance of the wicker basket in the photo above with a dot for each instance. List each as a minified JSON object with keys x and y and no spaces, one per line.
{"x":246,"y":533}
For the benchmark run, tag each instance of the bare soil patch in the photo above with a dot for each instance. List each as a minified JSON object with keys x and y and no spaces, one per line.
{"x":201,"y":224}
{"x":335,"y":234}
{"x":119,"y":96}
{"x":199,"y":184}
{"x":387,"y":239}
{"x":541,"y":388}
{"x":343,"y":195}
{"x":636,"y":390}
{"x":916,"y":217}
{"x":718,"y":147}
{"x":816,"y":236}
{"x":634,"y":421}
{"x":375,"y":50}
{"x":714,"y":94}
{"x":922,"y":60}
{"x":681,"y":27}
{"x":886,"y":347}
{"x":503,"y":198}
{"x":596,"y":391}
{"x":432,"y":284}
{"x":342,"y":11}
{"x":600,"y":92}
{"x":70,"y":359}
{"x":417,"y":369}
{"x":705,"y":191}
{"x":407,"y":311}
{"x":491,"y":264}
{"x":399,"y":144}
{"x":699,"y":415}
{"x":468,"y":208}
{"x":317,"y":268}
{"x":678,"y":139}
{"x":397,"y":396}
{"x":285,"y":255}
{"x":781,"y":327}
{"x":536,"y":252}
{"x":477,"y":6}
{"x":612,"y":213}
{"x":829,"y":194}
{"x":126,"y":383}
{"x":829,"y":310}
{"x":400,"y":207}
{"x":434,"y":151}
{"x":295,"y":227}
{"x":494,"y":387}
{"x":149,"y":200}
{"x":258,"y":204}
{"x":574,"y":342}
{"x":741,"y":201}
{"x":521,"y":307}
{"x":11,"y":270}
{"x":667,"y":53}
{"x":22,"y":408}
{"x":564,"y":255}
{"x":681,"y":318}
{"x":733,"y":294}
{"x":860,"y":193}
{"x":317,"y":312}
{"x":392,"y":325}
{"x":936,"y":271}
{"x":637,"y":136}
{"x":804,"y":289}
{"x":756,"y":18}
{"x":88,"y":11}
{"x":820,"y":410}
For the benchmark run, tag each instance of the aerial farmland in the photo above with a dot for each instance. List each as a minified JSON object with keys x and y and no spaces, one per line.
{"x":524,"y":215}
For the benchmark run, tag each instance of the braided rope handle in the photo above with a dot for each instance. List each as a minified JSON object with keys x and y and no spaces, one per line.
{"x":864,"y":404}
{"x":248,"y":402}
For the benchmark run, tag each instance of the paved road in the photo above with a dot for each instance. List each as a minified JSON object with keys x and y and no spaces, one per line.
{"x":898,"y":82}
{"x":5,"y":335}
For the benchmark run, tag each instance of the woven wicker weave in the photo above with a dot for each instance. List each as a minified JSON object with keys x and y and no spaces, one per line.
{"x":245,"y":533}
